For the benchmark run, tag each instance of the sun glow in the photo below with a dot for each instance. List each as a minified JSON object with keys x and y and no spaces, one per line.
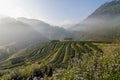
{"x":11,"y":8}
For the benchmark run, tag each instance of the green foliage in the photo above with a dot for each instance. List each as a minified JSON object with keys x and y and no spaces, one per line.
{"x":95,"y":67}
{"x":68,"y":60}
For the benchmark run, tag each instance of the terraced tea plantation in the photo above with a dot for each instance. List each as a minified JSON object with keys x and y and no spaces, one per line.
{"x":62,"y":52}
{"x":55,"y":53}
{"x":48,"y":59}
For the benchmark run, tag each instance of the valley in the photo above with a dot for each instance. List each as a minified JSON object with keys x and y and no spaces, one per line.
{"x":54,"y":44}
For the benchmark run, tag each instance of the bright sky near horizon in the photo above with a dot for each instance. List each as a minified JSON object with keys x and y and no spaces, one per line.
{"x":55,"y":12}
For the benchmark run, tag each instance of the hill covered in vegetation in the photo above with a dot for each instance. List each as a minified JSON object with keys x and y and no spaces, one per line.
{"x":59,"y":60}
{"x":102,"y":25}
{"x":95,"y":57}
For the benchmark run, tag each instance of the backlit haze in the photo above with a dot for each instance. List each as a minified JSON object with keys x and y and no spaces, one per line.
{"x":55,"y":12}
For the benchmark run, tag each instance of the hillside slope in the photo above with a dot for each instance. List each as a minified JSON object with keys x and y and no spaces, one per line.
{"x":15,"y":35}
{"x":103,"y":24}
{"x":23,"y":32}
{"x":55,"y":53}
{"x":49,"y":31}
{"x":12,"y":30}
{"x":64,"y":60}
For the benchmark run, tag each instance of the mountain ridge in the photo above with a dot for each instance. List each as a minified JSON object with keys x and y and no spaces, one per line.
{"x":102,"y":23}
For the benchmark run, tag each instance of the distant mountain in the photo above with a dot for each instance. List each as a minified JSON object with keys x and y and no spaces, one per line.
{"x":19,"y":33}
{"x":103,"y":24}
{"x":108,"y":9}
{"x":23,"y":32}
{"x":23,"y":29}
{"x":12,"y":30}
{"x":51,"y":32}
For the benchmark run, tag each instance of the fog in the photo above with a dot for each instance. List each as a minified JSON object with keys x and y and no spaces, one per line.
{"x":92,"y":23}
{"x":30,"y":30}
{"x":26,"y":30}
{"x":97,"y":27}
{"x":51,"y":32}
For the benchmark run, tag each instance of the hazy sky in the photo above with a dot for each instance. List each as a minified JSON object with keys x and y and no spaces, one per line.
{"x":51,"y":11}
